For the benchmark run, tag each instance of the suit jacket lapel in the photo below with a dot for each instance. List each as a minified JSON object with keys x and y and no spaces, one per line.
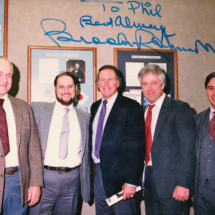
{"x":48,"y":117}
{"x":18,"y":119}
{"x":203,"y":131}
{"x":109,"y":128}
{"x":82,"y":123}
{"x":165,"y":108}
{"x":95,"y":109}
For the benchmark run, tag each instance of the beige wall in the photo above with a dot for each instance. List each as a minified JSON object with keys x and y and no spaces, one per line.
{"x":189,"y":19}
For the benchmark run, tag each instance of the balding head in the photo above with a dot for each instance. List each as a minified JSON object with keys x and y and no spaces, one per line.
{"x":6,"y":72}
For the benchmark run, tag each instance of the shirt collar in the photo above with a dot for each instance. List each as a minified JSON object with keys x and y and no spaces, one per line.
{"x":6,"y":99}
{"x":211,"y":109}
{"x":159,"y":102}
{"x":112,"y":99}
{"x":59,"y":106}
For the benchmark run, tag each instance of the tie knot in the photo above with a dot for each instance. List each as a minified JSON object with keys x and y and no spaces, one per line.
{"x":104,"y":102}
{"x":151,"y":106}
{"x":1,"y":102}
{"x":66,"y":110}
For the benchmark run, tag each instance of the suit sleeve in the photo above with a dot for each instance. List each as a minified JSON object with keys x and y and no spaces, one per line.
{"x":186,"y":132}
{"x":35,"y":155}
{"x":135,"y":149}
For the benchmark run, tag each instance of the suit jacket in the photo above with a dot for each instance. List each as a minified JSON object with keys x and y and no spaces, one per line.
{"x":173,"y":148}
{"x":122,"y":150}
{"x":43,"y":114}
{"x":79,"y":74}
{"x":29,"y":150}
{"x":202,"y":120}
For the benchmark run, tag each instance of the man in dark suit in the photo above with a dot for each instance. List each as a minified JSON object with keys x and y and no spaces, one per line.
{"x":78,"y":73}
{"x":117,"y":144}
{"x":21,"y":173}
{"x":170,"y":147}
{"x":204,"y":192}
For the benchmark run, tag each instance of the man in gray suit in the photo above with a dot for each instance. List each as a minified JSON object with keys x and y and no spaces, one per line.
{"x":204,"y":192}
{"x":170,"y":147}
{"x":63,"y":131}
{"x":20,"y":152}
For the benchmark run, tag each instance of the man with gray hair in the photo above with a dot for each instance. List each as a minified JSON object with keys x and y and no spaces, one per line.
{"x":170,"y":147}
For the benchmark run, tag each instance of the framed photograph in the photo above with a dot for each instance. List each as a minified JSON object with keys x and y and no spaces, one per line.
{"x":3,"y":27}
{"x":46,"y":62}
{"x":130,"y":61}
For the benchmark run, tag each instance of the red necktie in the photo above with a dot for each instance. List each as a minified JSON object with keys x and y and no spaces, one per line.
{"x":4,"y":129}
{"x":148,"y":133}
{"x":212,"y":127}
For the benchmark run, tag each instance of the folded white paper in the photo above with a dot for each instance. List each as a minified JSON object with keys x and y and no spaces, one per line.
{"x":118,"y":197}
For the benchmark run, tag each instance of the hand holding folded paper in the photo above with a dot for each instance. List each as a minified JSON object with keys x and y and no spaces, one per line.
{"x":118,"y":197}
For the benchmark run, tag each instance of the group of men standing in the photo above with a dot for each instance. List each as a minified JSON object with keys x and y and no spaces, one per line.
{"x":52,"y":149}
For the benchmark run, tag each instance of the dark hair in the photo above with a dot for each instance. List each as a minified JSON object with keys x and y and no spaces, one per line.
{"x":74,"y":77}
{"x":208,"y":78}
{"x":119,"y":77}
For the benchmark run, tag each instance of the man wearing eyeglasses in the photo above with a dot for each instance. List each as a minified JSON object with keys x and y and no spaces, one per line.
{"x":117,"y":144}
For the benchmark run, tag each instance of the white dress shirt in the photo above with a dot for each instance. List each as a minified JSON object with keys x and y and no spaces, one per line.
{"x":73,"y":158}
{"x":155,"y":114}
{"x":11,"y":159}
{"x":109,"y":106}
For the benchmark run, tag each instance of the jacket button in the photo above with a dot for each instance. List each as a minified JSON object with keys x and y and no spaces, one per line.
{"x":2,"y":176}
{"x":2,"y":156}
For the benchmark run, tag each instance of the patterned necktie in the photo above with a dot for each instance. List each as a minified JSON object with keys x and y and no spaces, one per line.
{"x":212,"y":126}
{"x":4,"y":129}
{"x":148,"y":133}
{"x":99,"y":130}
{"x":63,"y":147}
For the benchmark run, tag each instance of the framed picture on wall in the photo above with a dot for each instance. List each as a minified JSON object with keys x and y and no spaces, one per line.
{"x":130,"y":61}
{"x":3,"y":27}
{"x":46,"y":62}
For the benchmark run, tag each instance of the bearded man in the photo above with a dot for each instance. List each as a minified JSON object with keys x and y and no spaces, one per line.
{"x":63,"y":131}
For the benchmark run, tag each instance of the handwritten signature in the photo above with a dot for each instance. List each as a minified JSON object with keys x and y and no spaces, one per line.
{"x":135,"y":5}
{"x":141,"y":32}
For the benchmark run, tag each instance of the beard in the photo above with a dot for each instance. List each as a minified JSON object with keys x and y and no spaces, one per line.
{"x":66,"y":103}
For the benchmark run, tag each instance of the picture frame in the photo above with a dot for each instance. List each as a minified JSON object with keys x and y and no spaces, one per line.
{"x":129,"y":61}
{"x":3,"y":27}
{"x":46,"y":62}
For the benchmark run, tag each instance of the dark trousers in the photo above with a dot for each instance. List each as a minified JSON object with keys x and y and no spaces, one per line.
{"x":60,"y":194}
{"x":205,"y":204}
{"x":12,"y":196}
{"x":160,"y":206}
{"x":127,"y":207}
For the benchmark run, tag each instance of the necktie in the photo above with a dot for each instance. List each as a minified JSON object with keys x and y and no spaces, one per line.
{"x":148,"y":133}
{"x":4,"y":129}
{"x":63,"y":148}
{"x":99,"y":130}
{"x":212,"y":126}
